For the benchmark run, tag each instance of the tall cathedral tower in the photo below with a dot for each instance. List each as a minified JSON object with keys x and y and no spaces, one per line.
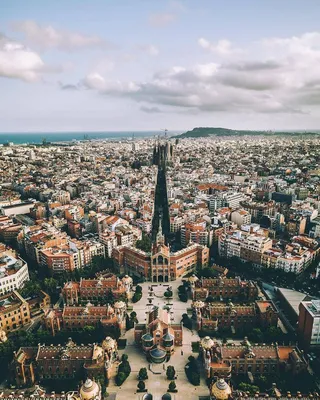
{"x":161,"y":206}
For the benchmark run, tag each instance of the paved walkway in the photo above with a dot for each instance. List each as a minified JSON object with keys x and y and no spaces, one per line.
{"x":158,"y":384}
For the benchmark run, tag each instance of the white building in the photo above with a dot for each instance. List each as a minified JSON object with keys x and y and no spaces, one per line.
{"x":13,"y":272}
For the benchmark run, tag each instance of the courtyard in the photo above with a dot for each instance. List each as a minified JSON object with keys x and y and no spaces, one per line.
{"x":157,"y":382}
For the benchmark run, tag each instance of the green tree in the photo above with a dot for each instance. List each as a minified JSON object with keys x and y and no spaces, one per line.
{"x":143,"y":374}
{"x":171,"y":373}
{"x":172,"y":387}
{"x":246,"y":387}
{"x":138,"y":289}
{"x":30,"y":287}
{"x":120,"y":378}
{"x":141,"y":386}
{"x":144,"y":244}
{"x":50,"y":285}
{"x":256,"y":335}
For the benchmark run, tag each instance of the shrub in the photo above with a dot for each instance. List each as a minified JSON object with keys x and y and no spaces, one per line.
{"x":171,"y":373}
{"x":183,"y":297}
{"x":172,"y":387}
{"x":120,"y":378}
{"x":141,"y":386}
{"x":136,"y":297}
{"x":143,"y":374}
{"x":192,"y":371}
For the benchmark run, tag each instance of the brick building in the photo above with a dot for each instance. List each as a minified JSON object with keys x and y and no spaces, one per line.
{"x":96,"y":290}
{"x":77,"y":317}
{"x":215,"y":316}
{"x":223,"y":361}
{"x":223,"y":288}
{"x":161,"y":265}
{"x":158,"y":336}
{"x":34,"y":364}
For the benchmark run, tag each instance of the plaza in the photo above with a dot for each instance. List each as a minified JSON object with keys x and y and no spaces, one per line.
{"x":157,"y":382}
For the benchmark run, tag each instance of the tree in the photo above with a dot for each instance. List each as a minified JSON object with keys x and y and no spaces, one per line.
{"x":168,"y":293}
{"x":172,"y":387}
{"x":138,"y":289}
{"x":136,"y":297}
{"x":183,"y":297}
{"x":256,"y":335}
{"x":141,"y":386}
{"x":50,"y":285}
{"x":171,"y":373}
{"x":143,"y":374}
{"x":124,"y":358}
{"x":144,"y":244}
{"x":120,"y":378}
{"x":30,"y":287}
{"x":133,"y":317}
{"x":246,"y":387}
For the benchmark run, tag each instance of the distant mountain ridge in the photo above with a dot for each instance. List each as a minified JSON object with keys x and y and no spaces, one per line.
{"x":206,"y":132}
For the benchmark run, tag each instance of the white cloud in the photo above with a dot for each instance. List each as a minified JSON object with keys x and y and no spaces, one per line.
{"x":17,"y":61}
{"x":47,"y":37}
{"x":149,"y":49}
{"x":223,"y":47}
{"x":161,"y":19}
{"x":285,"y":79}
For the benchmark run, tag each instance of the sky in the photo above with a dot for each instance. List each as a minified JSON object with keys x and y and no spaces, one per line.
{"x":133,"y":65}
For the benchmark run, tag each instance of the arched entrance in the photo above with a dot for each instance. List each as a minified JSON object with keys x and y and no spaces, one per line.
{"x":166,"y":278}
{"x":160,"y":278}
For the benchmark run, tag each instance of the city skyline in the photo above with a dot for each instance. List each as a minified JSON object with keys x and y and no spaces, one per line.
{"x":107,"y":67}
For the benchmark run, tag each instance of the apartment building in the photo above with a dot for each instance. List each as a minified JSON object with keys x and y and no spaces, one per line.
{"x":14,"y":312}
{"x":13,"y":271}
{"x":309,"y":324}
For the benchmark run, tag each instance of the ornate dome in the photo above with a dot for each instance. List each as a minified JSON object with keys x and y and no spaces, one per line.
{"x":90,"y":390}
{"x":158,"y":355}
{"x":207,"y":343}
{"x":127,"y":279}
{"x":198,"y":304}
{"x":119,"y":304}
{"x":109,"y":343}
{"x":220,"y":390}
{"x":193,"y":279}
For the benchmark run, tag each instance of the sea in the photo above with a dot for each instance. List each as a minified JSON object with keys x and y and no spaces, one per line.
{"x":53,"y":137}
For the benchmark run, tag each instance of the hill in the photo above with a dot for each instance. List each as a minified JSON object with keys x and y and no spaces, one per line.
{"x":206,"y":132}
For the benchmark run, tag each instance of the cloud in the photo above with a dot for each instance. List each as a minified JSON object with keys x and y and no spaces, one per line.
{"x":285,"y":81}
{"x":223,"y":47}
{"x":149,"y":49}
{"x":47,"y":37}
{"x":17,"y":61}
{"x":161,"y":19}
{"x":150,"y":110}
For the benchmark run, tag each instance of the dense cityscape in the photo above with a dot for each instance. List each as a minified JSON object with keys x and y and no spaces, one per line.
{"x":160,"y":266}
{"x":160,"y":200}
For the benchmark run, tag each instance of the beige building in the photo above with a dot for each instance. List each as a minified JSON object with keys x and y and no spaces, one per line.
{"x":14,"y":312}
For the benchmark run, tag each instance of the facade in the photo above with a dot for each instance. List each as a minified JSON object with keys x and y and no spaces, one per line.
{"x":158,"y":337}
{"x":223,"y":361}
{"x":258,"y":210}
{"x":13,"y":271}
{"x":309,"y":324}
{"x":77,"y":317}
{"x":96,"y":290}
{"x":196,"y":232}
{"x":14,"y":312}
{"x":223,"y":288}
{"x":215,"y":316}
{"x":161,"y":265}
{"x":34,"y":364}
{"x":241,"y":217}
{"x":247,"y":244}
